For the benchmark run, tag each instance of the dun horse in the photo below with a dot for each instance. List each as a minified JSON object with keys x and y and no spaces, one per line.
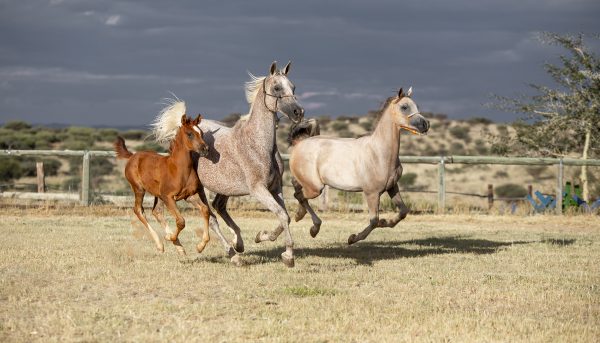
{"x":168,"y":178}
{"x":369,"y":164}
{"x":244,"y":159}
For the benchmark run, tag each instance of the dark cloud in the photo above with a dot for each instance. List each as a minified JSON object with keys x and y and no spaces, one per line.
{"x":111,"y":62}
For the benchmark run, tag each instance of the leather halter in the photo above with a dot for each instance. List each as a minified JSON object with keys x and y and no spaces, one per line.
{"x":277,"y":97}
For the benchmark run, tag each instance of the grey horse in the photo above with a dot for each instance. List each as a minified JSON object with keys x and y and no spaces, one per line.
{"x":369,"y":164}
{"x":244,"y":160}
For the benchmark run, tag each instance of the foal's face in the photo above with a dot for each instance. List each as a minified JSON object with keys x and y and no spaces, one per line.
{"x":406,"y":114}
{"x":281,"y":96}
{"x":192,"y":135}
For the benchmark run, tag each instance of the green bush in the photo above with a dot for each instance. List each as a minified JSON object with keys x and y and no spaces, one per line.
{"x":10,"y":169}
{"x":510,"y":190}
{"x":457,"y":148}
{"x":367,"y":125}
{"x":51,"y":167}
{"x":500,"y":174}
{"x":339,"y":126}
{"x":153,"y":146}
{"x":460,"y":132}
{"x":408,"y":179}
{"x":17,"y":125}
{"x":134,"y":134}
{"x":479,"y":120}
{"x":107,"y":135}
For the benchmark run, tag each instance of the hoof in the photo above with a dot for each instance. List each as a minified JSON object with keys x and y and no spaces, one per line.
{"x":351,"y":239}
{"x":287,"y":260}
{"x":237,"y":260}
{"x":200,"y":247}
{"x":259,"y":235}
{"x":161,"y":248}
{"x":239,"y":247}
{"x":170,"y":238}
{"x":181,"y":251}
{"x":314,"y":231}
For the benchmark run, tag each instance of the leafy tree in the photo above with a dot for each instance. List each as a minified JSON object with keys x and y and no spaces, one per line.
{"x":563,"y":118}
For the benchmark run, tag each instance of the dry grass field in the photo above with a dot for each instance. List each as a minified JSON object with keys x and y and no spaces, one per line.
{"x":89,"y":275}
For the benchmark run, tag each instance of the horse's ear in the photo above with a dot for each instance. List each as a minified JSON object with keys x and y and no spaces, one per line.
{"x":273,"y":68}
{"x":400,"y":93}
{"x":287,"y":68}
{"x":184,"y":120}
{"x":197,"y":120}
{"x":409,"y":93}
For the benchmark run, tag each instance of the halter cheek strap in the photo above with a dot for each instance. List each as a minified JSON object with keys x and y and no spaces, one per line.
{"x":277,"y":97}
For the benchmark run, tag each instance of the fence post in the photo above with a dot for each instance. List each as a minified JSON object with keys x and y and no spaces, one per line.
{"x":559,"y":187}
{"x":85,"y":179}
{"x":41,"y":179}
{"x":490,"y":196}
{"x":441,"y":186}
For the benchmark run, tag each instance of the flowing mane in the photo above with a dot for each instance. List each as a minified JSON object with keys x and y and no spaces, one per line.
{"x":381,"y":111}
{"x":164,"y":126}
{"x":251,"y":87}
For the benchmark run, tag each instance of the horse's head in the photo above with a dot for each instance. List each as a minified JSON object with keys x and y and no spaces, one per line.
{"x":406,"y":114}
{"x":190,"y":135}
{"x":279,"y":95}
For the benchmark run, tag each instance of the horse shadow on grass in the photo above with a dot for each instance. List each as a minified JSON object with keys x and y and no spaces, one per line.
{"x":368,"y":252}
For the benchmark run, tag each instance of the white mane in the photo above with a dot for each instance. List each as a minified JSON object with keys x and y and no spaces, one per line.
{"x":252,"y":87}
{"x":166,"y":123}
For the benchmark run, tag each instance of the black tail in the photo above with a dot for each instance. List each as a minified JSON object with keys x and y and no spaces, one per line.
{"x":303,"y":130}
{"x":121,"y":149}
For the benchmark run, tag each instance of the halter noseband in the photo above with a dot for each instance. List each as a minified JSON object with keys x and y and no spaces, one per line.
{"x":412,"y":114}
{"x":277,"y":97}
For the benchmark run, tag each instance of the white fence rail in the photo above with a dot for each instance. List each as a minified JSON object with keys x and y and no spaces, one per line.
{"x":441,"y":161}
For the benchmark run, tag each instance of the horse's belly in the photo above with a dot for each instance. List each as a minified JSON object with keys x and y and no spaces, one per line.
{"x":341,"y":178}
{"x":223,"y":177}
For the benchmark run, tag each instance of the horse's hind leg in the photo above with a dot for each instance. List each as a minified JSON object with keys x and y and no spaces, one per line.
{"x":157,"y":211}
{"x":179,"y":221}
{"x":373,"y":203}
{"x":394,"y":193}
{"x":138,"y":209}
{"x":205,"y":214}
{"x":305,"y":206}
{"x":220,"y":205}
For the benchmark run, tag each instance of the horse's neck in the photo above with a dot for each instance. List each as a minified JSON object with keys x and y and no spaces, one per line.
{"x":261,"y":124}
{"x":181,"y":156}
{"x":386,"y":137}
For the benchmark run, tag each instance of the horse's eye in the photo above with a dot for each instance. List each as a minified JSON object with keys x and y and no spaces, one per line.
{"x":404,"y":107}
{"x":190,"y":135}
{"x":277,"y":88}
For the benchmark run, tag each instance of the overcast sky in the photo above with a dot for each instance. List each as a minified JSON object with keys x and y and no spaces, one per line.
{"x":90,"y":62}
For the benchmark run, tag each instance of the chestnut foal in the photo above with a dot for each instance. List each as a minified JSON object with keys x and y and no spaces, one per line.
{"x":168,"y":178}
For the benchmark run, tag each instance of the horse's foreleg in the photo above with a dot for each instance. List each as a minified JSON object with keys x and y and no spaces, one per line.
{"x":205,"y":213}
{"x":179,"y":221}
{"x":276,"y":205}
{"x":220,"y":205}
{"x":305,"y":206}
{"x":373,"y":203}
{"x":139,"y":212}
{"x":394,"y":193}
